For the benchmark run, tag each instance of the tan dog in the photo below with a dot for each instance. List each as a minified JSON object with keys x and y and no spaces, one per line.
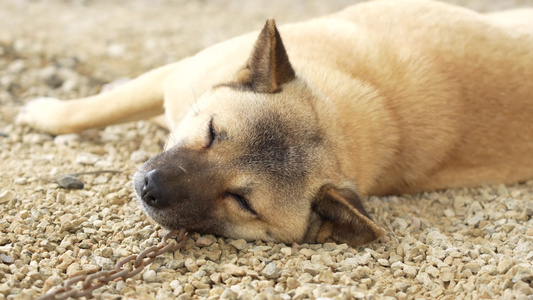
{"x":385,"y":97}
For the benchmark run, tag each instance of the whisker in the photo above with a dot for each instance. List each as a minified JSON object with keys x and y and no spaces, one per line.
{"x":194,"y":97}
{"x":191,"y":104}
{"x":170,"y":140}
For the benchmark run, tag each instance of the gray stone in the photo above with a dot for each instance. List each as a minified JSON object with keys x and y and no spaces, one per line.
{"x":6,"y":259}
{"x":70,"y":182}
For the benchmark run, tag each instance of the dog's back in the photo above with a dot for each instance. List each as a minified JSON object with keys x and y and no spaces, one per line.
{"x":460,"y":84}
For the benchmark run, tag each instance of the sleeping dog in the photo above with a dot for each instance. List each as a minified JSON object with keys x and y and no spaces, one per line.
{"x":293,"y":127}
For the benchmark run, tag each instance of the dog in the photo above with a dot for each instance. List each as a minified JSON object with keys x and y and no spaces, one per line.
{"x":293,"y":127}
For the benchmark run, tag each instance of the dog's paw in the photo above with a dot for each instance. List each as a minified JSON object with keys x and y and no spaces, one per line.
{"x":42,"y":114}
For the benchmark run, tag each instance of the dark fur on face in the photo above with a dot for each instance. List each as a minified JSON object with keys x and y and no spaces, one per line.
{"x":180,"y":177}
{"x":271,"y":149}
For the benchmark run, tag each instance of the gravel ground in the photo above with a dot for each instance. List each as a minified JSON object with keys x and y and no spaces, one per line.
{"x":454,"y":244}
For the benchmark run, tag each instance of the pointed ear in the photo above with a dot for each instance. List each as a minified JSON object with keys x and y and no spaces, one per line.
{"x":268,"y":66}
{"x":338,"y":216}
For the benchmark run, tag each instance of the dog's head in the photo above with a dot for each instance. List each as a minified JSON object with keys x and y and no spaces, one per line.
{"x":251,"y":161}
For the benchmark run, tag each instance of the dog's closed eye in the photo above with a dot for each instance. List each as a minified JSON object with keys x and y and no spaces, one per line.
{"x":242,"y":201}
{"x":212,"y":134}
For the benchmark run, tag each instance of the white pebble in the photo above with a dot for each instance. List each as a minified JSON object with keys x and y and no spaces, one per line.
{"x":286,"y":251}
{"x":239,"y":244}
{"x":399,"y":224}
{"x":504,"y":266}
{"x":383,"y":262}
{"x":270,"y":271}
{"x":66,"y":139}
{"x":364,"y":259}
{"x":6,"y":196}
{"x":150,"y":276}
{"x":410,"y":271}
{"x":86,"y":158}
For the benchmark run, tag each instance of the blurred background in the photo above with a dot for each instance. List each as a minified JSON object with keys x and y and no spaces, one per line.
{"x":69,"y":48}
{"x":121,"y":37}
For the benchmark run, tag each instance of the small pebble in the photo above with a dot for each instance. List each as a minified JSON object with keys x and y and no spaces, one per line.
{"x":447,"y":276}
{"x":474,"y":267}
{"x":70,"y":182}
{"x":6,"y":196}
{"x":326,"y":276}
{"x":286,"y":251}
{"x":86,"y":158}
{"x":529,"y":231}
{"x":399,"y":224}
{"x":67,"y":139}
{"x":51,"y":282}
{"x":216,"y":278}
{"x":6,"y":259}
{"x":410,"y":271}
{"x":150,"y":276}
{"x":239,"y":244}
{"x":449,"y":213}
{"x":17,"y":66}
{"x":101,"y":179}
{"x":458,"y":202}
{"x":433,"y":271}
{"x":502,"y":190}
{"x":203,"y":242}
{"x":307,"y":252}
{"x":364,"y":259}
{"x":60,"y":198}
{"x":233,"y":270}
{"x":228,"y":294}
{"x":383,"y":262}
{"x":20,"y":181}
{"x":270,"y":271}
{"x":504,"y":266}
{"x":523,"y":288}
{"x":4,"y":289}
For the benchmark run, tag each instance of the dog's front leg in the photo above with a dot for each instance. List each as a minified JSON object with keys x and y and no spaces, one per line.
{"x":137,"y":99}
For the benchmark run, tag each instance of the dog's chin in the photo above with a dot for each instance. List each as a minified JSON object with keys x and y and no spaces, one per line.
{"x":159,"y":217}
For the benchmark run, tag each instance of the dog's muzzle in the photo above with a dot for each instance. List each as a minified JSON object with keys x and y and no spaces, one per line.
{"x":180,"y":188}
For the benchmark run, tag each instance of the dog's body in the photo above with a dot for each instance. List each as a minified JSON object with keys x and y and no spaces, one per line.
{"x":385,"y":97}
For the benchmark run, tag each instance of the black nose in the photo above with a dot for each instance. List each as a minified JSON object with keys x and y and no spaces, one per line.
{"x":152,"y":192}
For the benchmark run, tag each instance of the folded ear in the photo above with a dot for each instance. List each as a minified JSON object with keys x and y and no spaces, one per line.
{"x":268,"y":66}
{"x":338,"y":216}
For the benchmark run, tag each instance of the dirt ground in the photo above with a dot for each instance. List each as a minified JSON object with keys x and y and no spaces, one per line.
{"x":455,"y":244}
